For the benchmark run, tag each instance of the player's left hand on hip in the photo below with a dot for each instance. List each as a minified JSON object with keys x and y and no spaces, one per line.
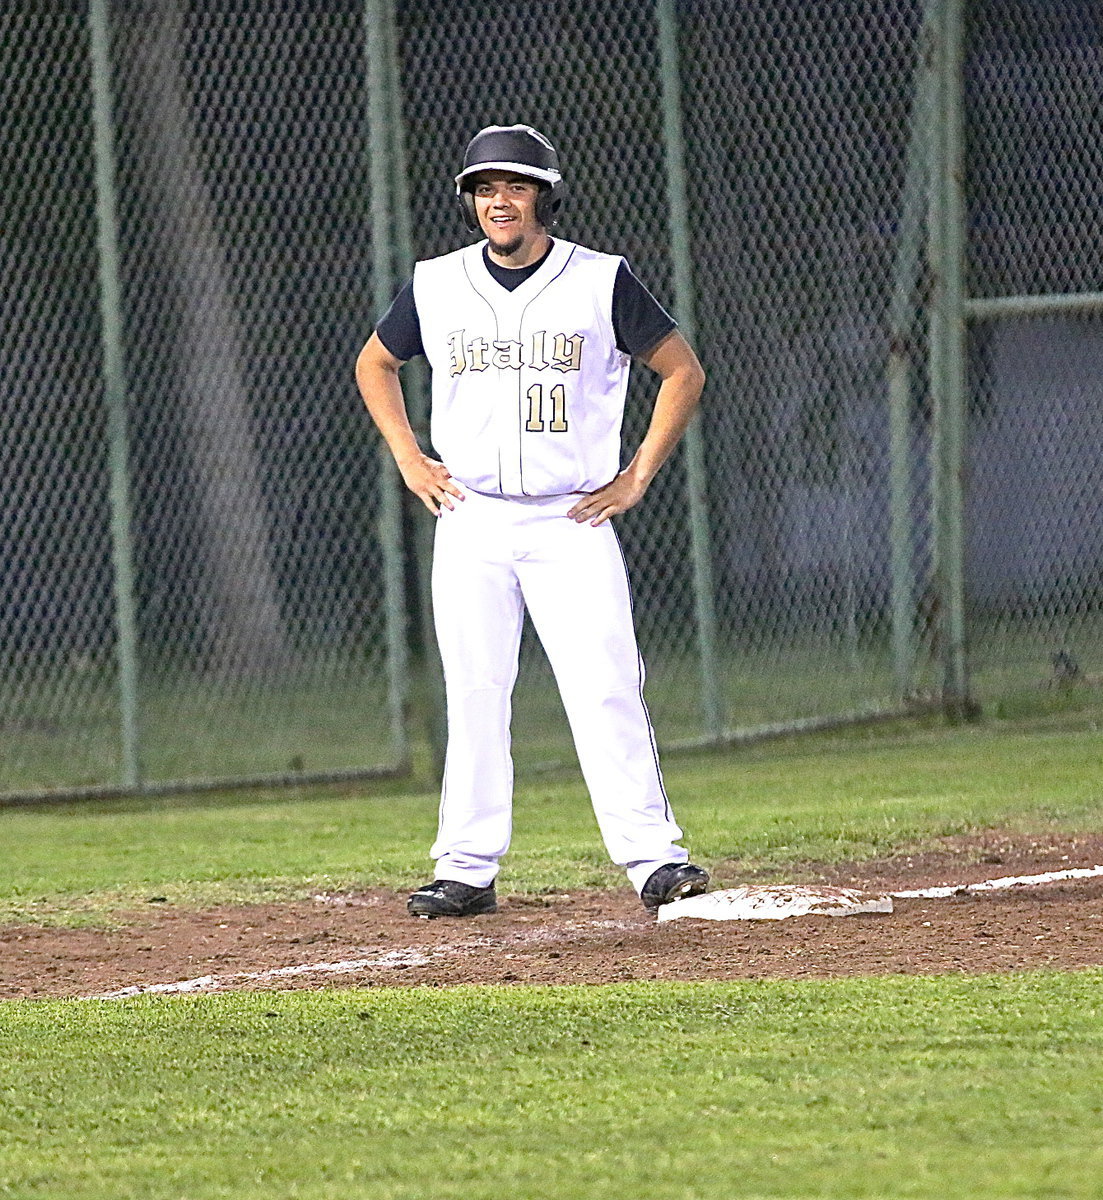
{"x":623,"y":493}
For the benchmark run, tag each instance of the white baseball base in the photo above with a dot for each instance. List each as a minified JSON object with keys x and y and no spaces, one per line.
{"x":775,"y":904}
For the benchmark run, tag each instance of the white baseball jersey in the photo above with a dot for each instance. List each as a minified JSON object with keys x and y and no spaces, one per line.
{"x":528,"y":385}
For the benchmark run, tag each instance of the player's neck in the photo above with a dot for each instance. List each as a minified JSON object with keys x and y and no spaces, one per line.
{"x":530,"y":251}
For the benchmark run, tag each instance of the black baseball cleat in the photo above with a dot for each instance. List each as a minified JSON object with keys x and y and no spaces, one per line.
{"x":675,"y":881}
{"x":450,"y":898}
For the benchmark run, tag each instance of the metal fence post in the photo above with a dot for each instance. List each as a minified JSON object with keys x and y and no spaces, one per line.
{"x":115,"y":391}
{"x":381,"y":178}
{"x":902,"y":319}
{"x":947,"y":351}
{"x":416,"y":388}
{"x":684,"y":304}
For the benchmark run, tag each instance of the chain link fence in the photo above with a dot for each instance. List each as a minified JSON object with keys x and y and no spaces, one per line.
{"x":1035,"y":500}
{"x":235,"y":506}
{"x":795,"y":122}
{"x":58,"y":713}
{"x":206,"y":576}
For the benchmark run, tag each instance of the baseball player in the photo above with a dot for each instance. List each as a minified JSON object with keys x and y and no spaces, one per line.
{"x":530,"y":339}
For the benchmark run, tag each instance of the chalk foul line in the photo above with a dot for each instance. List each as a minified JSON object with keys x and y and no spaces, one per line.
{"x":414,"y":956}
{"x":408,"y":956}
{"x":997,"y":885}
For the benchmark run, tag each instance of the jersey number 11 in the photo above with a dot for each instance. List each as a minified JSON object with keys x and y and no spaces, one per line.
{"x":558,"y":397}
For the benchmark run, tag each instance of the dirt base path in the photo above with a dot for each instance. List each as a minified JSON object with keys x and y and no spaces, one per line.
{"x":367,"y":939}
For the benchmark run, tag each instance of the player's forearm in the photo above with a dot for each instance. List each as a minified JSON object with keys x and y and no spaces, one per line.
{"x":381,"y":391}
{"x":675,"y":405}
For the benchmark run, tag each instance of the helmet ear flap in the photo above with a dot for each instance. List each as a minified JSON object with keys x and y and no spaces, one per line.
{"x":467,"y":209}
{"x":549,"y":204}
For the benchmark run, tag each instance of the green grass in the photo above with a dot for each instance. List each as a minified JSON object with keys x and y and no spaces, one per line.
{"x":827,"y":798}
{"x":975,"y":1088}
{"x":939,"y":1087}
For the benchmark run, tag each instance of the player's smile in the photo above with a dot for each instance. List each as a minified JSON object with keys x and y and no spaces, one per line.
{"x":506,"y":207}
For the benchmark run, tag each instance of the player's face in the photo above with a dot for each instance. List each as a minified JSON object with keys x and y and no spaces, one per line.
{"x":506,"y":207}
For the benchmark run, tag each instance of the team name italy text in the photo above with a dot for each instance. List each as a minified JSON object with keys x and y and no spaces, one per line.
{"x":543,"y":351}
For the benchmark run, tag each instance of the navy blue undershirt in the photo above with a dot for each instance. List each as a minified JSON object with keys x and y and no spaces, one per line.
{"x":639,"y":321}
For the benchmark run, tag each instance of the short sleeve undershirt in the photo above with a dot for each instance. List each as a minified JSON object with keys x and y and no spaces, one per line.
{"x":639,"y":321}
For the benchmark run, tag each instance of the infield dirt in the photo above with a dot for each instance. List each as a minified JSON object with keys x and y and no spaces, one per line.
{"x":593,"y":936}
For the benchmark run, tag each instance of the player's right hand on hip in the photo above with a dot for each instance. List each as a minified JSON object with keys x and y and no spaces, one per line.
{"x":431,"y":482}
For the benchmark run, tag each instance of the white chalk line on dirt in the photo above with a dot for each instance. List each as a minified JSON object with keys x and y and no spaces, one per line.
{"x":997,"y":885}
{"x":408,"y":956}
{"x":422,"y":956}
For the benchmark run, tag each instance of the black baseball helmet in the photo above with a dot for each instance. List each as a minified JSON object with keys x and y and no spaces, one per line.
{"x":518,"y":148}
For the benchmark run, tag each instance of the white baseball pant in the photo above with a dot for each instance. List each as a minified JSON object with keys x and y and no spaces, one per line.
{"x":493,"y":558}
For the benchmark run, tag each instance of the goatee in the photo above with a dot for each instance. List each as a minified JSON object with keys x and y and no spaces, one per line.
{"x":508,"y":249}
